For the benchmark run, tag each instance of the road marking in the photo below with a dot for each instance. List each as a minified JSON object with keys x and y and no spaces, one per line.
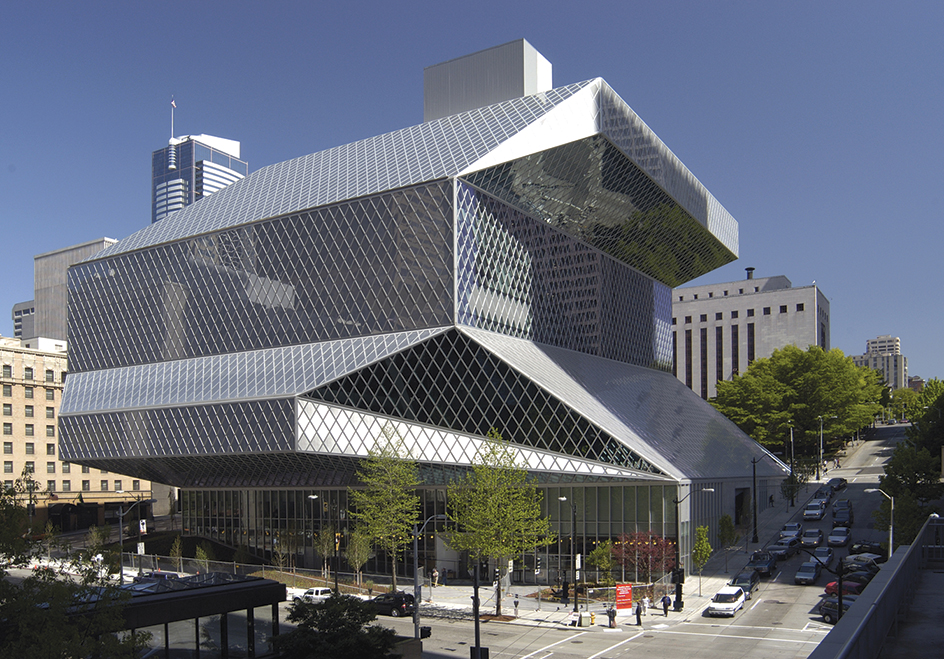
{"x":613,"y":647}
{"x":746,"y":638}
{"x":563,"y":640}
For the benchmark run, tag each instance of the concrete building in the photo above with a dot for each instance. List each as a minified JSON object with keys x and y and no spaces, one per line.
{"x":505,"y":267}
{"x":883,"y":354}
{"x":72,"y":496}
{"x":190,"y":168}
{"x":24,"y":316}
{"x":719,"y":329}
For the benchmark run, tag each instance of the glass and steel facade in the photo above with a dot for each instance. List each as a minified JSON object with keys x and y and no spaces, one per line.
{"x":507,"y":267}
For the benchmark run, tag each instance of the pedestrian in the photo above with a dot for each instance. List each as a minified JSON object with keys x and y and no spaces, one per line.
{"x":771,"y":500}
{"x":611,"y":614}
{"x":435,"y":577}
{"x":645,"y":605}
{"x":666,"y":600}
{"x":639,"y":613}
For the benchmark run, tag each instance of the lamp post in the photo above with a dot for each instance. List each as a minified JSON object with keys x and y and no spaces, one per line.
{"x":573,"y":556}
{"x":417,"y":587}
{"x":891,"y":521}
{"x":313,"y":497}
{"x":792,"y":472}
{"x":678,"y":604}
{"x":121,"y":533}
{"x":754,"y":461}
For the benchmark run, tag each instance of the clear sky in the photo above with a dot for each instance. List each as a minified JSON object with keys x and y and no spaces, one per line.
{"x":818,"y":125}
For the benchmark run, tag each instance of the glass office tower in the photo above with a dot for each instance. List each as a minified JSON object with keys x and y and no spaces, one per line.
{"x":507,"y":267}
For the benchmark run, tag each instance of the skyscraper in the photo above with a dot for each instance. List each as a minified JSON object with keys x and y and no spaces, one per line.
{"x":190,"y":168}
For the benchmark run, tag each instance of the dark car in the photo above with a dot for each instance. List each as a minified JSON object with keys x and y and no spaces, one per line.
{"x":859,"y":576}
{"x":762,"y":562}
{"x":829,"y":607}
{"x":808,"y":573}
{"x":393,"y":604}
{"x":842,"y":504}
{"x":156,"y":575}
{"x":839,"y":537}
{"x":791,"y":530}
{"x":748,"y":581}
{"x":812,"y":538}
{"x":867,"y":548}
{"x":837,"y":484}
{"x":843,"y":517}
{"x":785,"y":548}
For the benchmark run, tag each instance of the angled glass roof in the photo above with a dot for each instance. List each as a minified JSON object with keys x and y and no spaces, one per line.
{"x":652,"y":412}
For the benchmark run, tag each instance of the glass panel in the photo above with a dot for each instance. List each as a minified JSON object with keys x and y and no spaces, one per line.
{"x":182,"y":639}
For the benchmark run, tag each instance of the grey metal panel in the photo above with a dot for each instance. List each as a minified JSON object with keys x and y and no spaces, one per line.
{"x":652,"y":412}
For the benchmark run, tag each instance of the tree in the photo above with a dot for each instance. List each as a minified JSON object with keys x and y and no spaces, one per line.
{"x":359,"y":550}
{"x":909,"y":518}
{"x":902,"y":402}
{"x":727,"y":536}
{"x":603,"y":560}
{"x":177,"y":553}
{"x":334,"y":629}
{"x":495,"y":508}
{"x":387,"y":507}
{"x":645,"y":552}
{"x":324,"y":543}
{"x":701,"y":551}
{"x":927,"y":416}
{"x":914,"y":470}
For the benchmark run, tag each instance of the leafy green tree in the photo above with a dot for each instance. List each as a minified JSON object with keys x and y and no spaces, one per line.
{"x":387,"y":506}
{"x":927,"y":415}
{"x":603,"y":560}
{"x":701,"y":552}
{"x":909,"y":518}
{"x":914,"y":470}
{"x":334,"y":629}
{"x":177,"y":553}
{"x":496,"y":508}
{"x":902,"y":402}
{"x":359,"y":550}
{"x":727,"y":536}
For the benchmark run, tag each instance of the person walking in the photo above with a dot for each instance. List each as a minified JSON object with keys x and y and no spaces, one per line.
{"x":611,"y":614}
{"x":639,"y":613}
{"x":666,"y":601}
{"x":645,"y":605}
{"x":435,"y":577}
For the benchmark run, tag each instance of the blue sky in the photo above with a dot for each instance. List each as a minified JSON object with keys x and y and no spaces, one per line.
{"x":819,"y":126}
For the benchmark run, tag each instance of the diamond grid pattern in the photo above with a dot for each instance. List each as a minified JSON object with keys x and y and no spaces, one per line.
{"x":521,"y":277}
{"x":592,"y":191}
{"x":379,"y":264}
{"x":327,"y":429}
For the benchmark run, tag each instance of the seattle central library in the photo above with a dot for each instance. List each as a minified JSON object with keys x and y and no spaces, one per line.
{"x":509,"y":266}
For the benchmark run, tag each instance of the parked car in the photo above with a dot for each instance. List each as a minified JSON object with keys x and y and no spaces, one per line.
{"x":824,"y":555}
{"x":837,"y":484}
{"x":748,"y":581}
{"x":762,"y":562}
{"x":829,"y":607}
{"x":793,"y":529}
{"x":313,"y":595}
{"x":811,"y":538}
{"x":808,"y":573}
{"x":841,"y":504}
{"x":156,"y":575}
{"x":863,"y":547}
{"x":839,"y":537}
{"x":726,"y":602}
{"x":859,"y":576}
{"x":853,"y":561}
{"x":393,"y":604}
{"x":848,"y":587}
{"x":814,"y":510}
{"x":785,"y":548}
{"x":843,"y":517}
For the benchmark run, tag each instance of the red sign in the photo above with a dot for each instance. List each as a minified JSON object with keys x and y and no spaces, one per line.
{"x":624,"y":596}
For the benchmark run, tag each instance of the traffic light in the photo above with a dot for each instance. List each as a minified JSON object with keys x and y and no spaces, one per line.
{"x":537,"y":566}
{"x":425,"y":632}
{"x":495,"y":577}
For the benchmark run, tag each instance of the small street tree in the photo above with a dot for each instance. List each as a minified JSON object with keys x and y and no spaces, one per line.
{"x":727,"y":536}
{"x":324,"y":544}
{"x":701,"y":551}
{"x":387,"y":506}
{"x":359,"y":550}
{"x":335,"y":629}
{"x":646,"y":553}
{"x":177,"y":554}
{"x":496,"y":509}
{"x":603,"y":560}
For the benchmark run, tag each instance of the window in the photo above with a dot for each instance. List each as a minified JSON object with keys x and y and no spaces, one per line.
{"x":118,"y":487}
{"x":103,"y":471}
{"x":50,"y":486}
{"x":8,"y":448}
{"x":29,"y":448}
{"x":28,"y":392}
{"x":85,"y":469}
{"x":800,"y":306}
{"x":50,"y":467}
{"x":86,"y":486}
{"x":719,"y":315}
{"x":28,"y":373}
{"x":62,"y":378}
{"x":7,"y":467}
{"x":674,"y":320}
{"x":50,"y":394}
{"x":7,"y":371}
{"x":703,"y":318}
{"x":750,"y":313}
{"x":757,"y":289}
{"x":688,"y":320}
{"x":696,"y":296}
{"x":8,"y":409}
{"x":734,"y":314}
{"x":66,"y":486}
{"x":28,"y":411}
{"x":7,"y":390}
{"x":135,"y":485}
{"x":50,"y":412}
{"x":711,"y":294}
{"x":104,"y":486}
{"x":28,"y":430}
{"x":740,"y":291}
{"x":783,"y":308}
{"x":7,"y":428}
{"x":681,"y":298}
{"x":50,"y":376}
{"x":66,"y":467}
{"x":766,"y":311}
{"x":50,"y":449}
{"x":725,"y":293}
{"x":8,"y":485}
{"x":50,"y":431}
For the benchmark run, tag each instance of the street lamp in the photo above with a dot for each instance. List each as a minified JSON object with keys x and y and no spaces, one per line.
{"x":792,"y":473}
{"x":678,"y":551}
{"x":417,"y":587}
{"x":573,"y":556}
{"x":313,"y":497}
{"x":754,"y":461}
{"x":820,"y":463}
{"x":121,"y":533}
{"x":891,"y":521}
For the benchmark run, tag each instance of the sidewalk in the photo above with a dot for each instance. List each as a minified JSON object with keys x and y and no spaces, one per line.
{"x":443,"y":600}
